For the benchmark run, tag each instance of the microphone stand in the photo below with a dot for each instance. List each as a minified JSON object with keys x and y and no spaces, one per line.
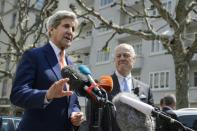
{"x":98,"y":112}
{"x":171,"y":120}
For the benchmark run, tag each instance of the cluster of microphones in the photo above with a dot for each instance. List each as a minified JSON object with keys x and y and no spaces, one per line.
{"x":84,"y":85}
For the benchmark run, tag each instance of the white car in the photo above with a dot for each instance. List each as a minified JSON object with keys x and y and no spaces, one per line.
{"x":10,"y":123}
{"x":188,"y":117}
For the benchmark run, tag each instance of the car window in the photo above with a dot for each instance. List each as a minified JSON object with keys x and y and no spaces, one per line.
{"x":17,"y":121}
{"x":195,"y":124}
{"x":10,"y":123}
{"x":5,"y":126}
{"x":187,"y":120}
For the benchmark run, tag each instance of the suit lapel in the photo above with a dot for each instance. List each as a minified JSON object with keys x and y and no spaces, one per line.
{"x":55,"y":67}
{"x":52,"y":60}
{"x":133,"y":83}
{"x":116,"y":84}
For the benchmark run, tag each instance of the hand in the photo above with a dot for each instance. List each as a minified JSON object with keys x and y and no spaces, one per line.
{"x":57,"y":89}
{"x":77,"y":118}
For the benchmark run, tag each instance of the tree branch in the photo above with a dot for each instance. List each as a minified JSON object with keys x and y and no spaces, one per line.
{"x":146,"y":35}
{"x":107,"y":42}
{"x":83,"y":24}
{"x":6,"y":73}
{"x":5,"y":43}
{"x":191,"y":6}
{"x":127,"y":12}
{"x":165,"y":14}
{"x":191,"y":50}
{"x":12,"y":39}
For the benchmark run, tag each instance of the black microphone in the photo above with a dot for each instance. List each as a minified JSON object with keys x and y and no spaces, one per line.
{"x":80,"y":84}
{"x":128,"y":105}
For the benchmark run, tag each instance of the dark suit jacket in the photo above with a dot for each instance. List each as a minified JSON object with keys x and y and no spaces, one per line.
{"x":36,"y":72}
{"x":141,"y":89}
{"x":163,"y":125}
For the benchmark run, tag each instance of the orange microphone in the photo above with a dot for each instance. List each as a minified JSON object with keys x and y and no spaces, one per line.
{"x":106,"y":83}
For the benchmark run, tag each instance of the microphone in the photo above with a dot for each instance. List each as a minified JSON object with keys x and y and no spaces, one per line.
{"x":80,"y":84}
{"x":106,"y":82}
{"x":139,"y":113}
{"x":76,"y":80}
{"x":86,"y":71}
{"x":131,"y":117}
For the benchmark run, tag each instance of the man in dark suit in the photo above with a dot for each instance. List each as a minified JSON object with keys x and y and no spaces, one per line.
{"x":1,"y":123}
{"x":123,"y":81}
{"x":169,"y":104}
{"x":38,"y":86}
{"x":122,"y":78}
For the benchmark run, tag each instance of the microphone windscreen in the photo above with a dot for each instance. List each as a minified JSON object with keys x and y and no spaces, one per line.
{"x":137,"y":104}
{"x":128,"y":118}
{"x":84,"y":70}
{"x":106,"y":83}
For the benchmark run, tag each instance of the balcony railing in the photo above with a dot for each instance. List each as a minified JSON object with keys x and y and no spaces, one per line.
{"x":81,"y":43}
{"x":134,"y":24}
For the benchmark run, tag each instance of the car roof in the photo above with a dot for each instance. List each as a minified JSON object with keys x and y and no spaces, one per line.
{"x":186,"y":111}
{"x":7,"y":117}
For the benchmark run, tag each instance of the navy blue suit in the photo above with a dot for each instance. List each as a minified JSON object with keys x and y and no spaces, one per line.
{"x":36,"y":72}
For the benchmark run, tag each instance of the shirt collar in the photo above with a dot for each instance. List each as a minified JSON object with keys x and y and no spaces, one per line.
{"x":56,"y":49}
{"x":122,"y":77}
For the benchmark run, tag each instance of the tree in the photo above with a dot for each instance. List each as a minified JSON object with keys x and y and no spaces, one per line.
{"x":29,"y":26}
{"x":25,"y":32}
{"x":173,"y":40}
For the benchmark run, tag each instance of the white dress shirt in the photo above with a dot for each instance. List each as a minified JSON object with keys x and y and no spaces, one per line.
{"x":121,"y":81}
{"x":56,"y":50}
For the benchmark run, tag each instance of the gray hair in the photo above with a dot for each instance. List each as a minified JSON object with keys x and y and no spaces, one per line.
{"x":128,"y":46}
{"x":55,"y":19}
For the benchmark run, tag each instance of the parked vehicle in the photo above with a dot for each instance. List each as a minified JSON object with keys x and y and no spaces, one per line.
{"x":10,"y":123}
{"x":188,"y":116}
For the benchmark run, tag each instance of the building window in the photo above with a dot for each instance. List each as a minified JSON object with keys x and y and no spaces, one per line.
{"x":159,"y":80}
{"x":13,"y":23}
{"x":156,"y":80}
{"x":39,"y":4}
{"x":4,"y":89}
{"x":103,"y":55}
{"x":2,"y":6}
{"x":102,"y":30}
{"x":138,"y":48}
{"x":195,"y":78}
{"x":166,"y":5}
{"x":89,"y":33}
{"x":105,"y":2}
{"x":134,"y":19}
{"x":137,"y":77}
{"x":157,"y":47}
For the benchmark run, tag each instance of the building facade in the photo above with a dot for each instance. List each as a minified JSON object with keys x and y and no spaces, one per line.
{"x":153,"y":66}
